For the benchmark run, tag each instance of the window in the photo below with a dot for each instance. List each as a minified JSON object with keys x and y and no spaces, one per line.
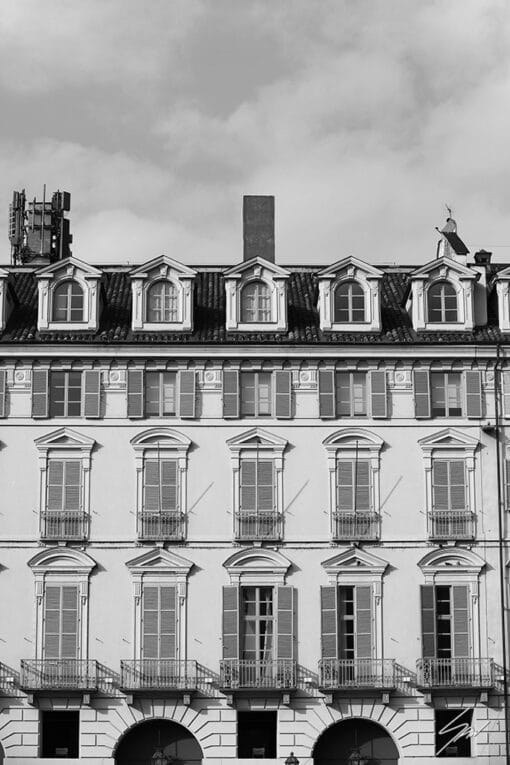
{"x":60,"y":622}
{"x":257,"y":623}
{"x":257,"y":394}
{"x":354,"y":486}
{"x":160,"y":394}
{"x":354,"y":622}
{"x":446,"y":394}
{"x":256,"y":735}
{"x":159,"y":622}
{"x":68,"y":302}
{"x":349,"y":303}
{"x":256,"y":303}
{"x":162,"y":303}
{"x":449,"y":723}
{"x":445,"y":622}
{"x":352,"y":394}
{"x":60,"y":732}
{"x":66,"y":393}
{"x":442,"y":303}
{"x":448,"y":485}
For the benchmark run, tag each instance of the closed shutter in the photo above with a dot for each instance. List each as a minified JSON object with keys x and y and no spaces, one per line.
{"x":505,"y":391}
{"x":51,"y":645}
{"x":265,"y":485}
{"x":150,"y":632}
{"x":428,"y":622}
{"x":440,"y":488}
{"x":92,"y":394}
{"x":40,"y":397}
{"x":345,"y":488}
{"x":187,"y":394}
{"x":230,"y":622}
{"x":135,"y":393}
{"x":60,"y":622}
{"x":230,"y":394}
{"x":159,"y":622}
{"x":3,"y":393}
{"x":69,"y":648}
{"x":283,"y":394}
{"x":457,"y":485}
{"x":379,"y":394}
{"x":285,"y":622}
{"x":168,"y":478}
{"x":421,"y":393}
{"x":460,"y":621}
{"x":151,"y":486}
{"x":473,"y":394}
{"x":329,"y":623}
{"x":363,"y":622}
{"x":55,"y":491}
{"x":326,"y":393}
{"x":248,"y":499}
{"x":72,"y":485}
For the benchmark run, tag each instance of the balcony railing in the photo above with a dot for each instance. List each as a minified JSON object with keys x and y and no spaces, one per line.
{"x":8,"y":679}
{"x":356,"y":673}
{"x":161,"y":526}
{"x":269,"y":674}
{"x":451,"y":524}
{"x":355,"y":526}
{"x":59,"y":674}
{"x":455,"y":673}
{"x":158,"y":675}
{"x":64,"y":524}
{"x":265,"y":524}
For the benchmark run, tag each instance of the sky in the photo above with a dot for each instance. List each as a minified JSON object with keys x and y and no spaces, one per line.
{"x":362,"y":117}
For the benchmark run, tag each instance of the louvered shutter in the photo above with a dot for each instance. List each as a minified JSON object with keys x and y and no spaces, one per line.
{"x":51,"y":643}
{"x":440,"y":485}
{"x":92,"y":394}
{"x":135,"y":393}
{"x":460,"y":621}
{"x":40,"y":396}
{"x":285,"y":622}
{"x":72,"y":485}
{"x":167,"y":623}
{"x":378,"y":393}
{"x":151,"y":486}
{"x":283,"y":394}
{"x":60,"y":622}
{"x":457,"y":485}
{"x":187,"y":393}
{"x":345,"y":488}
{"x":329,"y":623}
{"x":55,"y":491}
{"x":159,"y":622}
{"x":428,"y":621}
{"x":230,"y":394}
{"x":150,"y":626}
{"x":362,"y":497}
{"x":265,"y":485}
{"x":3,"y":393}
{"x":363,"y":622}
{"x":69,"y":648}
{"x":326,"y":393}
{"x":248,"y":485}
{"x":168,"y":471}
{"x":505,"y":390}
{"x":230,"y":622}
{"x":473,"y":382}
{"x":421,"y":393}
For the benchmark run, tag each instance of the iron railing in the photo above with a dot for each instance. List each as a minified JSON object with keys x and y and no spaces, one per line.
{"x":64,"y":524}
{"x":455,"y":673}
{"x":265,"y":524}
{"x":161,"y":526}
{"x":451,"y":524}
{"x":360,"y":525}
{"x":356,"y":673}
{"x":269,"y":673}
{"x":8,"y":679}
{"x":59,"y":674}
{"x":158,"y":675}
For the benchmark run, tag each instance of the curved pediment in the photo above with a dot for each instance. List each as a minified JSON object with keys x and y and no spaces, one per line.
{"x":166,"y":437}
{"x":64,"y":560}
{"x":444,"y":559}
{"x":257,"y":565}
{"x":350,"y":437}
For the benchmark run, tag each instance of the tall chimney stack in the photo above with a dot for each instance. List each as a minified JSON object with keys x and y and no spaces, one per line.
{"x":258,"y":227}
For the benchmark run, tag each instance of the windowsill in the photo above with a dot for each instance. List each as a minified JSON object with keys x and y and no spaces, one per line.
{"x":60,"y":326}
{"x":178,"y":326}
{"x":366,"y":326}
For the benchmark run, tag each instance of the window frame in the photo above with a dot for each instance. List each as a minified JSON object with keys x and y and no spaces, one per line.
{"x":262,"y":299}
{"x":257,"y":398}
{"x":51,"y":391}
{"x":177,"y":299}
{"x":447,"y":386}
{"x":349,"y":297}
{"x":69,"y":284}
{"x":442,"y":297}
{"x":161,"y":397}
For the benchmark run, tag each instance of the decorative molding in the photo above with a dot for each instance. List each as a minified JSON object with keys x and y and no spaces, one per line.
{"x":156,"y":270}
{"x":257,"y":566}
{"x":368,"y":277}
{"x":259,"y":269}
{"x":49,"y":278}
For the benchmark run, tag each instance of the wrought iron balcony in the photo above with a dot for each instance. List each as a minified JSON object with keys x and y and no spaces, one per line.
{"x":451,"y":524}
{"x":455,"y":673}
{"x":270,"y":674}
{"x":167,"y":525}
{"x":64,"y":524}
{"x":336,"y":674}
{"x":158,"y":675}
{"x":356,"y":526}
{"x":8,"y":679}
{"x":59,"y":675}
{"x":265,"y":524}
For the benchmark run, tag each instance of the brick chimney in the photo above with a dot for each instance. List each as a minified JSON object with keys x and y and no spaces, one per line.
{"x":258,"y":227}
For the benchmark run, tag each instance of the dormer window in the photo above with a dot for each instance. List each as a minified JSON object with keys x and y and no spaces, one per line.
{"x":442,"y":303}
{"x":162,"y":296}
{"x":162,"y":303}
{"x":349,"y":297}
{"x":442,"y":296}
{"x":256,"y":303}
{"x":349,"y":302}
{"x":68,"y":302}
{"x":69,"y":296}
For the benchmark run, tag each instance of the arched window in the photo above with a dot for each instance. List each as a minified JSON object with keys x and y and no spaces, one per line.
{"x":162,"y":303}
{"x":349,"y":303}
{"x":256,"y":303}
{"x":442,"y":303}
{"x":68,"y":302}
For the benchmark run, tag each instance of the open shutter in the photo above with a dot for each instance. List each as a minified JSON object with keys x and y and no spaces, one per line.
{"x":55,"y":491}
{"x":285,"y":622}
{"x":51,"y":643}
{"x":428,"y":622}
{"x":72,"y":485}
{"x":421,"y":393}
{"x":3,"y":393}
{"x":230,"y":622}
{"x":505,"y":392}
{"x":92,"y":394}
{"x":327,"y":393}
{"x":363,"y":622}
{"x":460,"y":621}
{"x":230,"y":394}
{"x":378,"y":393}
{"x":40,"y":397}
{"x":187,"y":393}
{"x":150,"y":631}
{"x":507,"y":485}
{"x":69,"y":648}
{"x":473,"y":381}
{"x":329,"y":623}
{"x":283,"y":394}
{"x":135,"y":393}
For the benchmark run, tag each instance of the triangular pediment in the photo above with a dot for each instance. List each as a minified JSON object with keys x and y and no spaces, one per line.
{"x":441,"y":268}
{"x":255,"y":268}
{"x":69,"y":267}
{"x":257,"y":437}
{"x":160,"y":560}
{"x":64,"y":438}
{"x":354,"y":559}
{"x":503,"y":274}
{"x":449,"y":438}
{"x":163,"y":266}
{"x":351,"y":266}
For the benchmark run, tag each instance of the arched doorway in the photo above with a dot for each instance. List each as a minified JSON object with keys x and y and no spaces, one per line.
{"x":355,"y":741}
{"x":141,"y":742}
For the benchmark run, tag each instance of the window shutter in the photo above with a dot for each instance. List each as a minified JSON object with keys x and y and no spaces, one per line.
{"x":150,"y":632}
{"x":473,"y":381}
{"x":379,"y":393}
{"x":327,"y":393}
{"x":3,"y":393}
{"x":421,"y":393}
{"x":265,"y":485}
{"x":283,"y":394}
{"x":151,"y":486}
{"x":92,"y":394}
{"x":363,"y":493}
{"x":60,"y":622}
{"x":345,"y":489}
{"x":460,"y":621}
{"x":230,"y":394}
{"x":285,"y":622}
{"x":135,"y":393}
{"x":159,"y":622}
{"x":363,"y":622}
{"x":440,"y":485}
{"x":329,"y":623}
{"x":51,"y":643}
{"x":40,"y":398}
{"x":167,"y":622}
{"x":248,"y":485}
{"x":230,"y":622}
{"x":72,"y":485}
{"x":69,"y":623}
{"x":428,"y":622}
{"x":168,"y":485}
{"x":457,"y":485}
{"x":505,"y":391}
{"x":55,"y":485}
{"x":187,"y":393}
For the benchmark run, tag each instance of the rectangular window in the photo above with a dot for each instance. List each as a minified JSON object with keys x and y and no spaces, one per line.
{"x":257,"y":623}
{"x":445,"y":625}
{"x":256,"y":394}
{"x":60,"y":734}
{"x":160,"y":394}
{"x":64,"y":489}
{"x":354,"y":485}
{"x":355,"y":622}
{"x":60,"y":622}
{"x":160,"y":485}
{"x":446,"y":394}
{"x":449,"y":485}
{"x":257,"y":486}
{"x":159,"y":622}
{"x":351,"y":394}
{"x":65,"y":394}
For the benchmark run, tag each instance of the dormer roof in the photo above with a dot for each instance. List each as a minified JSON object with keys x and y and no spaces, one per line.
{"x":350,"y":261}
{"x":240,"y":269}
{"x":86,"y":270}
{"x":163,"y":260}
{"x":446,"y":265}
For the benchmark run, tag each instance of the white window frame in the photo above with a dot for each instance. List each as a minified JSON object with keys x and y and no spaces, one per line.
{"x":69,"y":282}
{"x":462,"y":280}
{"x":51,"y":277}
{"x":431,"y":286}
{"x":178,"y":298}
{"x":144,"y":277}
{"x":160,"y":373}
{"x":350,"y":270}
{"x":261,"y":270}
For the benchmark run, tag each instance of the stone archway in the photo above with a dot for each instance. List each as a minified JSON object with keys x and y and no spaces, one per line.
{"x":355,"y":736}
{"x":140,"y":742}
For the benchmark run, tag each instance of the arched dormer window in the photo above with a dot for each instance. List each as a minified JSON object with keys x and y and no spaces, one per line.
{"x":162,"y":303}
{"x":256,"y":303}
{"x":68,"y":302}
{"x":349,"y":303}
{"x":442,"y":303}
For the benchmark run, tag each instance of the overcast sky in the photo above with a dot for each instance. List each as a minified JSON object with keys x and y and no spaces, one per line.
{"x":362,"y":117}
